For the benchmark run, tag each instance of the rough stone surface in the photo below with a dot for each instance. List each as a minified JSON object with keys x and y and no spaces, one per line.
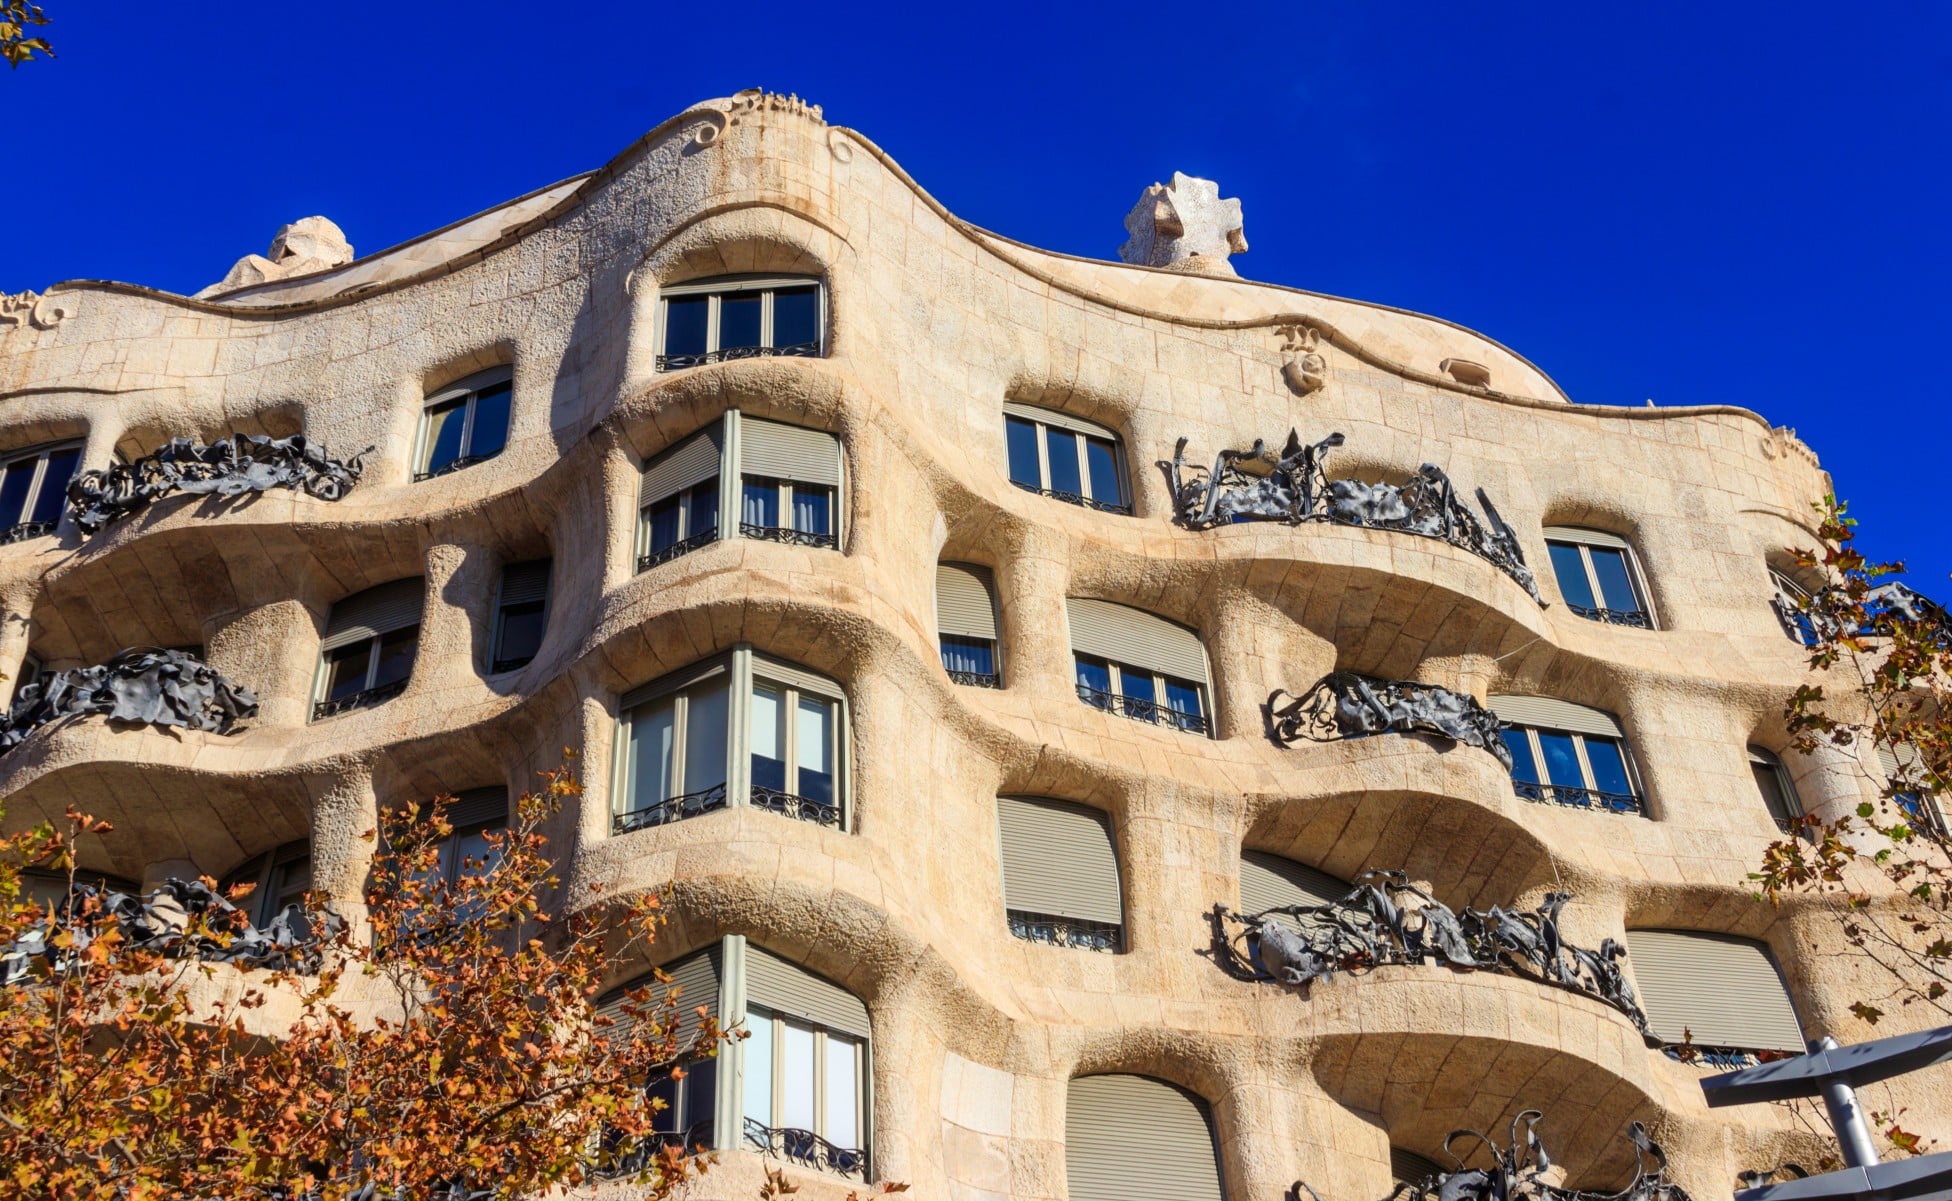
{"x":307,"y":245}
{"x":1184,"y":225}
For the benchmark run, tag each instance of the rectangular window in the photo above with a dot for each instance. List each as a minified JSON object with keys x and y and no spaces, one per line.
{"x":678,"y":498}
{"x":1582,"y":770}
{"x":1141,"y":694}
{"x":711,"y":321}
{"x":969,"y":660}
{"x":465,"y":424}
{"x":33,"y":491}
{"x":803,"y":1096}
{"x":674,"y":756}
{"x":1065,"y":458}
{"x":808,"y":510}
{"x":521,"y":615}
{"x":1598,"y":578}
{"x":367,"y":653}
{"x":795,"y":752}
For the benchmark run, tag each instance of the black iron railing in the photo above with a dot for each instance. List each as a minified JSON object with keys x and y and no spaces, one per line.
{"x":975,"y":679}
{"x":792,"y":805}
{"x":617,"y":1160}
{"x":450,"y":467}
{"x":1619,"y":617}
{"x":25,"y":530}
{"x":1077,"y":498}
{"x":807,"y":1149}
{"x":702,"y":538}
{"x":1066,"y":931}
{"x":1578,"y":798}
{"x":689,"y":804}
{"x":358,"y":700}
{"x":1721,"y":1059}
{"x":799,"y":350}
{"x":788,"y":535}
{"x":1144,"y":710}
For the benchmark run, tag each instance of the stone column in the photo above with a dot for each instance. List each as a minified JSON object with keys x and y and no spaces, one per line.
{"x":272,"y":650}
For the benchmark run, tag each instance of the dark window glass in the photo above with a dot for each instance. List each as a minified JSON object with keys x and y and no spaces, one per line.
{"x":1561,"y":761}
{"x":444,"y":426}
{"x":345,"y":670}
{"x":1183,"y":696}
{"x":1136,"y":684}
{"x":54,"y":484}
{"x":396,"y":656}
{"x":1770,"y":784}
{"x":796,"y":317}
{"x":761,"y":503}
{"x":812,"y":509}
{"x":1570,"y":570}
{"x":1609,"y":766}
{"x":974,"y":655}
{"x":704,"y":508}
{"x":13,"y":491}
{"x":1615,"y":584}
{"x":1522,"y":768}
{"x":685,"y":324}
{"x":1096,"y":675}
{"x":522,"y":630}
{"x":1022,"y":438}
{"x":1061,"y":448}
{"x":664,"y":517}
{"x":1102,"y":458}
{"x":490,"y":431}
{"x":738,"y":321}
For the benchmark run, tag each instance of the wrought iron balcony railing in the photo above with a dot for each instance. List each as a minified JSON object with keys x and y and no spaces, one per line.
{"x":1618,"y":617}
{"x":789,"y":535}
{"x":975,"y":679}
{"x":684,"y":547}
{"x":358,"y":700}
{"x":464,"y":461}
{"x":1578,"y":798}
{"x":689,"y":804}
{"x":1720,"y":1059}
{"x":807,"y":1149}
{"x":231,"y":467}
{"x":140,"y":685}
{"x":801,"y":808}
{"x":1077,"y":498}
{"x":25,"y":530}
{"x":1066,"y":931}
{"x":677,"y":362}
{"x":1144,"y":710}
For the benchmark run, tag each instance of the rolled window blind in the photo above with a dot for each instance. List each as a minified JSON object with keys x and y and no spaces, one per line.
{"x":1549,"y":713}
{"x":1134,"y":636}
{"x":696,"y":977}
{"x":962,"y":601}
{"x":788,"y":452}
{"x":676,"y":468}
{"x":765,"y":667}
{"x":1128,"y":1138}
{"x":793,"y":992}
{"x":473,"y":383}
{"x":1568,"y":533}
{"x":1722,"y":990}
{"x":1057,"y":420}
{"x":1407,"y":1167}
{"x":474,"y":806}
{"x":1058,"y":860}
{"x":523,"y":583}
{"x":374,"y":612}
{"x":1270,"y":881}
{"x":697,"y":673}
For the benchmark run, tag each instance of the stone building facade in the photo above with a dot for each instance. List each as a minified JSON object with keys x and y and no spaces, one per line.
{"x":664,"y":464}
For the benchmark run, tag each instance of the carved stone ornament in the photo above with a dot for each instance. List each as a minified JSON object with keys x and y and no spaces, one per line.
{"x":1302,"y":364}
{"x":1387,"y":920}
{"x":307,"y":245}
{"x":179,"y":919}
{"x":23,"y":309}
{"x":243,"y":463}
{"x":757,"y":100}
{"x":1517,"y":1171}
{"x":1184,"y":224}
{"x":1294,"y":487}
{"x":142,"y":686}
{"x":1344,"y":704}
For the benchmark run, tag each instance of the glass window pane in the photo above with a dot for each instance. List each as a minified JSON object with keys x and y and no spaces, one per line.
{"x":701,"y":1099}
{"x":814,"y":748}
{"x":843,"y":1093}
{"x":444,"y":426}
{"x":685,"y":327}
{"x":1569,"y":568}
{"x":1522,"y":768}
{"x":1095,"y":675}
{"x":1561,"y":761}
{"x":1021,"y":437}
{"x":289,"y":882}
{"x":1103,"y":460}
{"x":396,"y":656}
{"x":345,"y":670}
{"x":1770,"y":785}
{"x":1135,"y":683}
{"x":54,"y":484}
{"x":796,"y":1078}
{"x":1615,"y":584}
{"x":652,"y":729}
{"x":669,"y":1120}
{"x":761,"y":503}
{"x":768,"y":738}
{"x":796,"y":317}
{"x":976,"y":655}
{"x":490,"y":432}
{"x":522,"y":630}
{"x":663,"y":517}
{"x":707,"y":712}
{"x":702,"y":508}
{"x":738,"y":321}
{"x":14,"y":488}
{"x":471,"y":852}
{"x":1609,"y":767}
{"x":1061,"y":448}
{"x":759,"y":1066}
{"x":1183,"y":697}
{"x":813,"y":509}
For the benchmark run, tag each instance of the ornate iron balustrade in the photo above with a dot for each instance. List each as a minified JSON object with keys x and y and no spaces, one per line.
{"x":974,"y":679}
{"x":1077,"y":498}
{"x":242,"y":463}
{"x":677,"y":362}
{"x":683,"y":547}
{"x":25,"y":530}
{"x":449,"y":468}
{"x":792,"y":805}
{"x":358,"y":700}
{"x":178,"y":919}
{"x":1618,"y":617}
{"x":690,"y":804}
{"x":1074,"y":932}
{"x":1139,"y":709}
{"x":141,"y":685}
{"x":1517,"y":1172}
{"x":1579,"y":798}
{"x":807,"y":1149}
{"x":1345,"y":704}
{"x":1296,"y":488}
{"x":1385,"y":920}
{"x":789,"y":535}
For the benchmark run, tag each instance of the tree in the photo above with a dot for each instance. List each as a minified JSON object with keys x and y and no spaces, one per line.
{"x":16,"y":18}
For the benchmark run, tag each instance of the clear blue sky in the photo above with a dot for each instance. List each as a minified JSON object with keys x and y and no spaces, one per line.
{"x":1699,"y":203}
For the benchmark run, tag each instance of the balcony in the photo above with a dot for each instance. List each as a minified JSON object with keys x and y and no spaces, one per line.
{"x":684,"y":547}
{"x":1618,"y":617}
{"x":1138,"y":709}
{"x":26,"y":530}
{"x":365,"y":699}
{"x":1077,"y":498}
{"x":1074,"y":933}
{"x":788,"y":535}
{"x":975,"y":679}
{"x":1579,"y":798}
{"x":789,"y":804}
{"x":678,"y":362}
{"x":806,"y":1149}
{"x":690,"y":804}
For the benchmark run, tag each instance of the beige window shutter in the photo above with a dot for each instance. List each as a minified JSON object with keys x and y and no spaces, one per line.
{"x":1128,"y":635}
{"x":692,"y":461}
{"x":1058,"y":860}
{"x":696,"y":977}
{"x":474,"y":806}
{"x":1569,"y":533}
{"x":1130,"y":1138}
{"x":1270,"y":881}
{"x":1407,"y":1167}
{"x":525,"y":582}
{"x":1057,"y":420}
{"x":373,"y":612}
{"x":697,"y":673}
{"x":791,"y":991}
{"x":788,"y":452}
{"x":765,"y":667}
{"x":1549,"y":713}
{"x":1722,"y":990}
{"x":473,"y":383}
{"x":963,"y":601}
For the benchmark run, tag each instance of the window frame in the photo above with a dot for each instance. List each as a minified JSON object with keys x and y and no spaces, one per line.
{"x":784,"y":492}
{"x":689,"y":539}
{"x":730,"y":483}
{"x":27,"y":527}
{"x":1547,"y":792}
{"x":495,"y":657}
{"x":716,"y":289}
{"x":1787,"y":600}
{"x":323,"y":706}
{"x":1585,"y":542}
{"x":777,"y":1024}
{"x":1077,"y":428}
{"x":1162,"y":713}
{"x":264,"y":869}
{"x":468,"y":391}
{"x":1760,"y":758}
{"x":984,"y":578}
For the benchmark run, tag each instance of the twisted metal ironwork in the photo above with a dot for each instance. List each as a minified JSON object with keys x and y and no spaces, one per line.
{"x":807,"y":1149}
{"x":365,"y":698}
{"x":23,"y":531}
{"x":793,"y":805}
{"x":242,"y":463}
{"x":789,"y":535}
{"x":1386,"y":920}
{"x":1158,"y":713}
{"x":1078,"y":498}
{"x":683,"y":546}
{"x":799,"y":350}
{"x":1078,"y":933}
{"x":1295,"y":488}
{"x":1347,"y":704}
{"x":142,"y":685}
{"x":1518,"y":1169}
{"x":677,"y":808}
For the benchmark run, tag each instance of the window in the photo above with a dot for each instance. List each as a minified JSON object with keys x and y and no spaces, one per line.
{"x":714,"y":320}
{"x":521,"y":615}
{"x":688,"y":1119}
{"x":1778,"y":792}
{"x":1913,"y":792}
{"x":1060,"y":874}
{"x":1407,"y":1167}
{"x":679,"y":498}
{"x":965,"y":619}
{"x":1598,"y":578}
{"x":33,"y":490}
{"x":1788,"y":603}
{"x":1719,"y":996}
{"x":29,"y":674}
{"x":282,"y":878}
{"x":1568,"y":754}
{"x":367,"y":654}
{"x":684,"y":750}
{"x":474,"y":814}
{"x":1274,"y":882}
{"x":1139,"y":666}
{"x":464,"y":424}
{"x":1131,"y":1138}
{"x":1063,"y":457}
{"x":788,"y":487}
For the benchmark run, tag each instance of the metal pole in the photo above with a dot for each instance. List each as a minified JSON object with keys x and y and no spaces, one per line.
{"x":1853,"y":1133}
